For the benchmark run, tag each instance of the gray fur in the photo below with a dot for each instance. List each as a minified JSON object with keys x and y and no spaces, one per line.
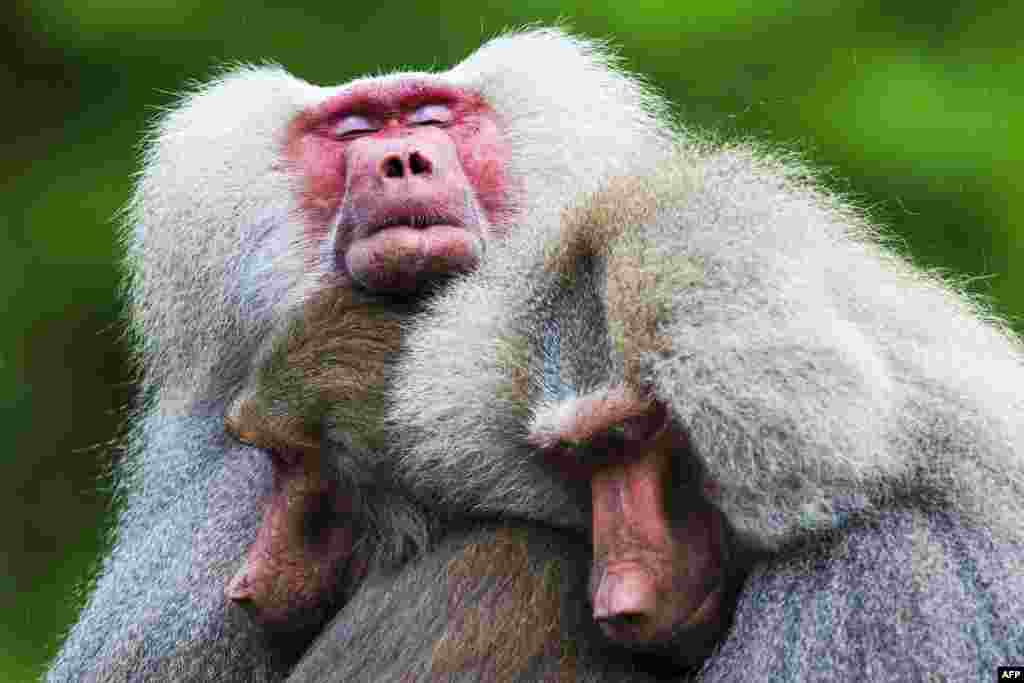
{"x":371,"y":640}
{"x":861,"y":422}
{"x":215,"y":268}
{"x":812,"y":369}
{"x":908,"y":596}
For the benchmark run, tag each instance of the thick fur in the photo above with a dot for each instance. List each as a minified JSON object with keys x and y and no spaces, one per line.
{"x":857,"y":420}
{"x":815,"y":372}
{"x":905,"y":596}
{"x":217,"y":267}
{"x":491,"y":604}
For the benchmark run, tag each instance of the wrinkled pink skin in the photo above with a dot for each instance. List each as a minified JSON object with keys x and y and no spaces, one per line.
{"x":654,"y":573}
{"x":400,"y":184}
{"x":402,"y":202}
{"x":294,"y":569}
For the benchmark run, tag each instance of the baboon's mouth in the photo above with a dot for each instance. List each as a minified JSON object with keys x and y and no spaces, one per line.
{"x":412,"y":215}
{"x":415,"y":221}
{"x":401,"y":255}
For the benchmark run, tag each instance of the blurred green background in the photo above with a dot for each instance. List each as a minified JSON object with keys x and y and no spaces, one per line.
{"x":914,"y":108}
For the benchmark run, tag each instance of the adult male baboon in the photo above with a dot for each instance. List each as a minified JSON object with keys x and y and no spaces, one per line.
{"x":494,"y":600}
{"x":706,"y":369}
{"x":262,"y":194}
{"x":810,"y":375}
{"x":717,"y":369}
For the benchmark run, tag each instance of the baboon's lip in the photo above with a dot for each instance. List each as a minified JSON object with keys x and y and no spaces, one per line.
{"x":415,"y":221}
{"x":401,"y":258}
{"x":414,"y":226}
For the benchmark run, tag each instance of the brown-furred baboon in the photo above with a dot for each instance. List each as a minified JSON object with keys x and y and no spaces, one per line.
{"x":262,"y":197}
